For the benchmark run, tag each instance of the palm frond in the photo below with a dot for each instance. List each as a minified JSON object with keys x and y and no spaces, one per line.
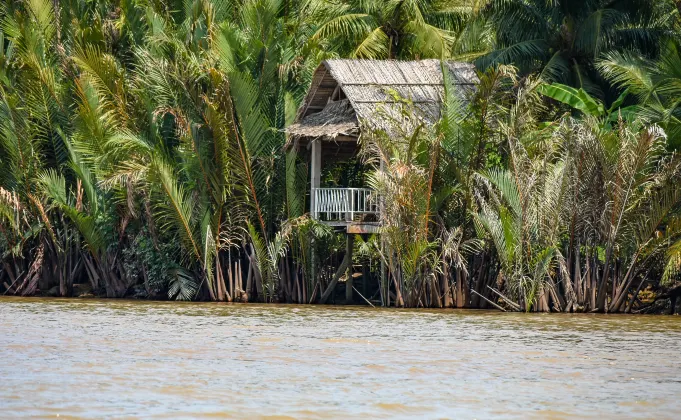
{"x":183,"y":286}
{"x":176,"y":207}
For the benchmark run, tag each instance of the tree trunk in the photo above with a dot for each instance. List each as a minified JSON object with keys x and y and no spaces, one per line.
{"x":459,"y":299}
{"x":594,"y":285}
{"x":218,"y":280}
{"x":446,"y":288}
{"x":577,"y":276}
{"x":249,"y":281}
{"x":635,"y":295}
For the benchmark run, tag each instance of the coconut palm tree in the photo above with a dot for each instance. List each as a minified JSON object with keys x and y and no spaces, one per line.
{"x":400,"y":28}
{"x":656,"y":85}
{"x":171,"y":117}
{"x":561,"y":40}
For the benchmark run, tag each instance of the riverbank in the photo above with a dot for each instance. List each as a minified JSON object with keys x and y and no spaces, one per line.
{"x":651,"y":302}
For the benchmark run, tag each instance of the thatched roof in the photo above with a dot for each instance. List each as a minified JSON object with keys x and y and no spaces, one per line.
{"x":337,"y":118}
{"x":368,"y":86}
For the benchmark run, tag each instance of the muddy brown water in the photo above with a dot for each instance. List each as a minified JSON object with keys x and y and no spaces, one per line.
{"x":128,"y":359}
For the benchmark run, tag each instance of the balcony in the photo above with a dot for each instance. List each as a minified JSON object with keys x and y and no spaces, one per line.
{"x":356,"y":208}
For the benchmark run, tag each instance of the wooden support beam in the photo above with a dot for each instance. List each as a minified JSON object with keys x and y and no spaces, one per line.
{"x":365,"y":278}
{"x":362,"y":228}
{"x":315,"y":173}
{"x":335,"y":94}
{"x":362,"y":296}
{"x":315,"y":181}
{"x":349,"y":285}
{"x":405,"y":84}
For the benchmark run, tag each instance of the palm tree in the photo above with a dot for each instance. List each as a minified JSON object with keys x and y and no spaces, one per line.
{"x":215,"y":92}
{"x":656,"y":85}
{"x":519,"y":208}
{"x":612,"y":193}
{"x":561,"y":40}
{"x":208,"y":139}
{"x":400,"y":28}
{"x":33,"y":122}
{"x":421,"y":252}
{"x":169,"y":121}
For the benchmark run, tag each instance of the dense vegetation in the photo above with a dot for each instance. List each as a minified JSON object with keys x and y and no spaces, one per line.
{"x":141,"y":151}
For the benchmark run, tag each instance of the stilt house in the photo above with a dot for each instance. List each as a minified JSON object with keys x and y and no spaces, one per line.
{"x":347,"y":96}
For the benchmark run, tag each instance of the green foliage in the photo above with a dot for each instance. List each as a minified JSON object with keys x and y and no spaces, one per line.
{"x":656,"y":85}
{"x":399,"y":29}
{"x":561,"y":40}
{"x":575,"y":98}
{"x":156,"y":266}
{"x":143,"y":141}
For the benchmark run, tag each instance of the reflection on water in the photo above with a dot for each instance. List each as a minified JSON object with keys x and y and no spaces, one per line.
{"x":96,"y":358}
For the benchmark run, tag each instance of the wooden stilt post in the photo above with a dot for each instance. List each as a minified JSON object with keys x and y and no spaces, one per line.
{"x":365,"y":278}
{"x":315,"y":174}
{"x":383,"y":284}
{"x":315,"y":180}
{"x":348,"y":284}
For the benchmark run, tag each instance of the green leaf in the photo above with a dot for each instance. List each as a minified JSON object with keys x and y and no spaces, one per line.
{"x":182,"y":286}
{"x":576,"y":98}
{"x":629,"y":113}
{"x":618,"y":102}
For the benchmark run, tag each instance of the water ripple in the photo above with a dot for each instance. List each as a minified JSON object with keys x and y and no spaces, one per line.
{"x":101,"y":358}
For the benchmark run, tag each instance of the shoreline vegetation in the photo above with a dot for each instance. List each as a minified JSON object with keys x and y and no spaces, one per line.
{"x":142,"y":154}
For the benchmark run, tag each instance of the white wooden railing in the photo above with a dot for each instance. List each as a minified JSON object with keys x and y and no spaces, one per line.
{"x":342,"y":204}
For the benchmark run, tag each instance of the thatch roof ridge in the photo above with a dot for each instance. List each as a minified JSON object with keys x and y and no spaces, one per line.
{"x":365,"y":72}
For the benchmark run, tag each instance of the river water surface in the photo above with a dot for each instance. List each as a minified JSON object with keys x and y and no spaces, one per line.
{"x":106,"y":358}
